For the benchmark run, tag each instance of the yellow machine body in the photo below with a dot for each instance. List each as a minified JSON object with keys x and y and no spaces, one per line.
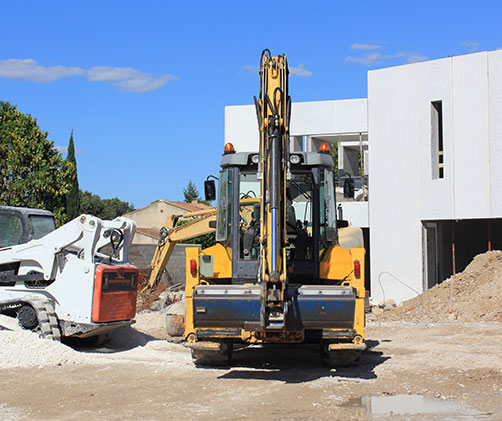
{"x":284,"y":270}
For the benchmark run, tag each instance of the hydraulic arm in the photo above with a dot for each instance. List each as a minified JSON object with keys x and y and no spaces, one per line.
{"x":273,"y":110}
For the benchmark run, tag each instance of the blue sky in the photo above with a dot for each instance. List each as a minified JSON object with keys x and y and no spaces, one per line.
{"x":144,"y":84}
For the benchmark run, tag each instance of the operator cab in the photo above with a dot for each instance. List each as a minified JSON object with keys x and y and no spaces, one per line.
{"x":20,"y":225}
{"x":310,"y":197}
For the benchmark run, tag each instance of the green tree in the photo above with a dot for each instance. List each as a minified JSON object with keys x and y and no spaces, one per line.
{"x":106,"y":209}
{"x":73,"y":195}
{"x":190,"y":192}
{"x":32,"y":172}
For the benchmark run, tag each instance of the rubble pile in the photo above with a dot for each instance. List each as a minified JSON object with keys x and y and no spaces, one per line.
{"x":473,"y":295}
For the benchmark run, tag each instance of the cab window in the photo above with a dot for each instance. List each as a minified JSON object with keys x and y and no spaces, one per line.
{"x":11,"y":230}
{"x":42,"y":225}
{"x":224,"y":206}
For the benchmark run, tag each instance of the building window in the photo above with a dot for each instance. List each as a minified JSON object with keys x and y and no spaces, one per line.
{"x":437,"y":153}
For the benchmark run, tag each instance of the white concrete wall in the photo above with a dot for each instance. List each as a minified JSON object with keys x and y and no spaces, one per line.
{"x":433,"y":84}
{"x":241,"y":127}
{"x":403,"y":192}
{"x":329,"y":117}
{"x":356,"y":213}
{"x":495,"y":131}
{"x":394,"y":202}
{"x":307,"y":119}
{"x":470,"y":135}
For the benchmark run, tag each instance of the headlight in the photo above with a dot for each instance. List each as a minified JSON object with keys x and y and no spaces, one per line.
{"x":295,"y":159}
{"x":255,"y":159}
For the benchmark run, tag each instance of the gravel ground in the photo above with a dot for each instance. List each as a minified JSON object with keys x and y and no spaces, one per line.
{"x":421,"y":364}
{"x":137,"y":376}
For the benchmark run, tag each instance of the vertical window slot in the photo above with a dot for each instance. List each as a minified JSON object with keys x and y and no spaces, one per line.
{"x":437,"y":152}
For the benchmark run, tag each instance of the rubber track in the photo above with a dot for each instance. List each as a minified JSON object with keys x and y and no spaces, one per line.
{"x":48,"y":326}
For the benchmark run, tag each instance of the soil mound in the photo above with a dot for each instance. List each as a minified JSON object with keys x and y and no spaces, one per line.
{"x":473,"y":295}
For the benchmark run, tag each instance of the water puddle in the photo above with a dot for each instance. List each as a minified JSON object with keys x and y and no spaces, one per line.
{"x":407,"y":405}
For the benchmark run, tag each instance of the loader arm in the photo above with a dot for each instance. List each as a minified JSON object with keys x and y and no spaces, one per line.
{"x":170,"y":235}
{"x":273,"y":110}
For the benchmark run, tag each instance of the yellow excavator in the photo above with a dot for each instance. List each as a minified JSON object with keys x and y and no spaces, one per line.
{"x":278,"y":272}
{"x":173,"y":232}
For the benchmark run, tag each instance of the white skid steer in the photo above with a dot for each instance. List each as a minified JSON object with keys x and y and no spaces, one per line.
{"x":59,"y":282}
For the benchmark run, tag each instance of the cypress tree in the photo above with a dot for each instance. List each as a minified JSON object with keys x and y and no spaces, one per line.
{"x":72,"y":197}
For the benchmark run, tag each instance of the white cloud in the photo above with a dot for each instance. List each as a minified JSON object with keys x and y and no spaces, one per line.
{"x":251,"y":69}
{"x":300,"y":71}
{"x":126,"y":78}
{"x":471,"y":45}
{"x":365,"y":47}
{"x":110,"y":74}
{"x":376,"y":57}
{"x":416,"y":58}
{"x":295,"y":71}
{"x":367,"y":60}
{"x":29,"y":69}
{"x":64,"y":150}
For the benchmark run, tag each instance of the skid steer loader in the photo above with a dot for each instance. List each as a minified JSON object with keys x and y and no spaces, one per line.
{"x":59,"y":282}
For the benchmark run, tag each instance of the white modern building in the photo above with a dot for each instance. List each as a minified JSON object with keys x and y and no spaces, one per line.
{"x":430,"y":139}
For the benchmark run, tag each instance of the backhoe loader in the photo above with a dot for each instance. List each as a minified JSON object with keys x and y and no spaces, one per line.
{"x":277,"y":273}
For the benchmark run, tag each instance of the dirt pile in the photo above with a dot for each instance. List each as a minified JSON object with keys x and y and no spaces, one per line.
{"x":26,"y":349}
{"x":473,"y":295}
{"x":22,"y":348}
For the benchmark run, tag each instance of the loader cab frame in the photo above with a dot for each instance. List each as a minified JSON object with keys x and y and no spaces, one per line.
{"x":310,"y":212}
{"x":20,"y":225}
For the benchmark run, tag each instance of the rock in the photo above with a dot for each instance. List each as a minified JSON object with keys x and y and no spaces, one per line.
{"x":371,"y":318}
{"x":389,"y":304}
{"x":377,"y":311}
{"x":157,"y":305}
{"x":177,"y":308}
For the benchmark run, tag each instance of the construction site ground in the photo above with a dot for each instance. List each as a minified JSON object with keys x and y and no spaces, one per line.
{"x":437,"y":356}
{"x":139,"y":376}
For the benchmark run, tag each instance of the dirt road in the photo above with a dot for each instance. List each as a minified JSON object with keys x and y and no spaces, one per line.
{"x":434,"y":371}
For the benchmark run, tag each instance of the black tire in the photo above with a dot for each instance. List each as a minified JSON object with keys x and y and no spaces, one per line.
{"x":48,"y":324}
{"x":27,"y":317}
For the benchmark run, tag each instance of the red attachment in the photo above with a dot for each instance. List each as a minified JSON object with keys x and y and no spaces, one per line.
{"x":193,"y":267}
{"x":115,"y":291}
{"x":229,"y":148}
{"x":357,"y":269}
{"x":324,"y":148}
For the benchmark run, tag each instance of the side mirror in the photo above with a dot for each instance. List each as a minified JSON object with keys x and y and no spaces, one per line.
{"x":348,"y":188}
{"x":209,"y":190}
{"x":212,"y":224}
{"x":342,"y":223}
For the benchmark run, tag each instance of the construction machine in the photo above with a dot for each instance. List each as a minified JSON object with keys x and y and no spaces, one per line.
{"x":278,"y":273}
{"x":61,"y":282}
{"x":171,"y":233}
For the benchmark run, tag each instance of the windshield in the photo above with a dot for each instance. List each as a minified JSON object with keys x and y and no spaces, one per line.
{"x":42,"y":225}
{"x":11,"y":230}
{"x":224,"y":205}
{"x":328,"y":206}
{"x":250,"y":186}
{"x":299,"y":199}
